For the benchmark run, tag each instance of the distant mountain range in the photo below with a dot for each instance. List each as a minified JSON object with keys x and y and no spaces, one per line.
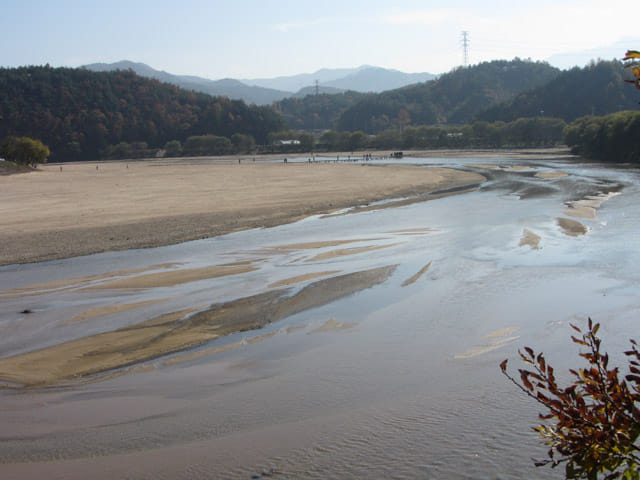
{"x":580,"y":58}
{"x":226,"y":87}
{"x":267,"y":90}
{"x":363,"y":79}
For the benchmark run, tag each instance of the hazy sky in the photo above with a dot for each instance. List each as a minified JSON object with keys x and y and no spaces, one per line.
{"x":264,"y":38}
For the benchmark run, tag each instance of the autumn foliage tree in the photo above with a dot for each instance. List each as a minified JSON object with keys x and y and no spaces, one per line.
{"x":632,"y":59}
{"x":24,"y":150}
{"x":592,"y":425}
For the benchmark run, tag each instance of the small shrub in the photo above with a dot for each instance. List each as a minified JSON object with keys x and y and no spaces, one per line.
{"x":592,"y":425}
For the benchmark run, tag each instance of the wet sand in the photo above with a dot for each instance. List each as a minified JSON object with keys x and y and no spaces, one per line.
{"x":588,"y":206}
{"x":173,"y":277}
{"x":106,"y":354}
{"x":492,"y":341}
{"x":87,"y":208}
{"x":413,"y":279}
{"x":530,"y":239}
{"x":573,"y":228}
{"x":97,"y":312}
{"x":551,"y":175}
{"x":348,"y":251}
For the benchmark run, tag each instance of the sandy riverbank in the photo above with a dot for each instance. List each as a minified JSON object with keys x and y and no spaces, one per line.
{"x":83,"y":208}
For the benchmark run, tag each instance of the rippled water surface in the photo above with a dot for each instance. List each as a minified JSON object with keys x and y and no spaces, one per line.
{"x":397,"y":380}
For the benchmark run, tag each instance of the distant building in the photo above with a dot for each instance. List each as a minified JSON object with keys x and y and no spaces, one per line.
{"x":287,"y":142}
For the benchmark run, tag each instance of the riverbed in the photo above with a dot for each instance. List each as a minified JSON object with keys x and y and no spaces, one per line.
{"x":372,"y":342}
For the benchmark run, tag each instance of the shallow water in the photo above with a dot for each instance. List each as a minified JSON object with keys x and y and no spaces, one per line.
{"x":390,"y":382}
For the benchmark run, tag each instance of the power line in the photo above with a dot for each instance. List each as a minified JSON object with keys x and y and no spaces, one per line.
{"x":465,"y":47}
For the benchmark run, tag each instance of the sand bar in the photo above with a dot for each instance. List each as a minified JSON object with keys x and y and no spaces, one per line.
{"x":415,"y":277}
{"x":348,"y":251}
{"x":530,"y":239}
{"x":570,"y":227}
{"x":76,"y":283}
{"x":551,"y":175}
{"x":332,"y":325}
{"x":172,"y":278}
{"x":82,"y":209}
{"x":96,"y":312}
{"x":587,"y":207}
{"x":302,"y":278}
{"x":493,"y":341}
{"x":88,"y":358}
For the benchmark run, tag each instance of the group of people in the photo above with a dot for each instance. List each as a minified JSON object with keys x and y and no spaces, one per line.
{"x":365,"y":158}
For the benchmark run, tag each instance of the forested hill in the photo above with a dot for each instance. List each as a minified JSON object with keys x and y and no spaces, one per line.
{"x":597,"y":89}
{"x":453,"y":98}
{"x":79,"y":114}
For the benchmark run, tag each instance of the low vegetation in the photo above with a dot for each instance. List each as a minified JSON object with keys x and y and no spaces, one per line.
{"x":591,"y":426}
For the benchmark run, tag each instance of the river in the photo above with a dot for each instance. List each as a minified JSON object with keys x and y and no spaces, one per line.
{"x":397,"y":379}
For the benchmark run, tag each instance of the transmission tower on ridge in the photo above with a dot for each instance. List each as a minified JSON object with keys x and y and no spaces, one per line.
{"x":465,"y":47}
{"x":317,"y":88}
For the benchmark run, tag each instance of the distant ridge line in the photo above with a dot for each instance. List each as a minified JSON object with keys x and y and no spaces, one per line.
{"x":265,"y":91}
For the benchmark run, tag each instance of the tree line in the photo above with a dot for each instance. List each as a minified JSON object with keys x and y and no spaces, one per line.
{"x":609,"y":138}
{"x":195,"y":145}
{"x":523,"y":132}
